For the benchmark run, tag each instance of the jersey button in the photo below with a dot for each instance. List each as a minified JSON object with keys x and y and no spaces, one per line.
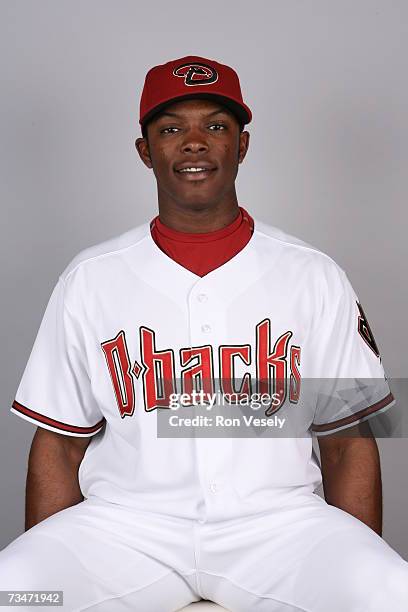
{"x":202,"y":297}
{"x":214,"y":487}
{"x":205,"y":328}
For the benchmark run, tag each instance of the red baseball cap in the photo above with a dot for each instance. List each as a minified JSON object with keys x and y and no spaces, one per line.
{"x":192,"y":77}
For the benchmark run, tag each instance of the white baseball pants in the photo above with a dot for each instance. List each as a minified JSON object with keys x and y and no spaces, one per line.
{"x":304,"y":557}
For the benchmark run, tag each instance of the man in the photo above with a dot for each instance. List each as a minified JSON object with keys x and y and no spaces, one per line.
{"x":149,"y":518}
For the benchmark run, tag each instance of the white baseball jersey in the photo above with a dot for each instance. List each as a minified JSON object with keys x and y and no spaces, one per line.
{"x":124,"y":316}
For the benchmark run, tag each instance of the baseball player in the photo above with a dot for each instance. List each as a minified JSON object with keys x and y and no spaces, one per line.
{"x":129,"y":507}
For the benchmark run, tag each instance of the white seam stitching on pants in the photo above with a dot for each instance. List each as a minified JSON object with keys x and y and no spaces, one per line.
{"x":126,"y":592}
{"x":267,"y":596}
{"x":197,"y":558}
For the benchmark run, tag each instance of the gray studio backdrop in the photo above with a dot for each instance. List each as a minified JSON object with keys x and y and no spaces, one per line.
{"x":326,"y":81}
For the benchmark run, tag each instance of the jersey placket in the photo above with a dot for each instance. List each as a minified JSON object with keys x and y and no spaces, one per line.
{"x":206,"y":324}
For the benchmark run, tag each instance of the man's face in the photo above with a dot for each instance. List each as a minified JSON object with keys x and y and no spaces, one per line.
{"x":194,"y":134}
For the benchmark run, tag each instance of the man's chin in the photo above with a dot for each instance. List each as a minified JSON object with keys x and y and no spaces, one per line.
{"x":198,"y":201}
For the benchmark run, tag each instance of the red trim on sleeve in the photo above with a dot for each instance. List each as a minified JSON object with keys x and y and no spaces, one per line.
{"x":357,"y":416}
{"x":57,"y":424}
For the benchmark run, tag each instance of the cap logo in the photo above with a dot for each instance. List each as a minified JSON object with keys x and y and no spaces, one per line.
{"x":196,"y":74}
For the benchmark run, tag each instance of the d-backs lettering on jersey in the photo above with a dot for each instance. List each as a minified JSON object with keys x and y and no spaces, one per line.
{"x":158,"y":369}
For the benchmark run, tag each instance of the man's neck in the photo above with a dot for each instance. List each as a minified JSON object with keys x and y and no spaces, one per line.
{"x":199,"y":220}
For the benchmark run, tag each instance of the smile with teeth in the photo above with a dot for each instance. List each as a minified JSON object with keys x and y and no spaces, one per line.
{"x":193,"y":169}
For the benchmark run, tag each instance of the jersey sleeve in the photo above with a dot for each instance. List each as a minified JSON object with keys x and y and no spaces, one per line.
{"x":344,"y":357}
{"x":55,"y":389}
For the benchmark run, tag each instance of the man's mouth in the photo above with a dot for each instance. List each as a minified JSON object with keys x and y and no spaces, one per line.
{"x":195,"y":172}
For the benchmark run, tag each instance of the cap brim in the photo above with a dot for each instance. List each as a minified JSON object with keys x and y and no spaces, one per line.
{"x":242,"y":112}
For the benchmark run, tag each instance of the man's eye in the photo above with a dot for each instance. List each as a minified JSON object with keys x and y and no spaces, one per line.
{"x":217,"y":125}
{"x":166,"y":130}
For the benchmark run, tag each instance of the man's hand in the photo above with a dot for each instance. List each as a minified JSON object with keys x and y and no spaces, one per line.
{"x":351,"y":474}
{"x":52,"y":479}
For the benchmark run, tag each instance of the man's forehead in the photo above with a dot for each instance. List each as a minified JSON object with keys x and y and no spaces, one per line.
{"x":197,"y":105}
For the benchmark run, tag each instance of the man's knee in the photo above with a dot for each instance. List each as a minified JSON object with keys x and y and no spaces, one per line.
{"x":384,"y":590}
{"x":30,"y":563}
{"x":393,"y":590}
{"x":16,"y":567}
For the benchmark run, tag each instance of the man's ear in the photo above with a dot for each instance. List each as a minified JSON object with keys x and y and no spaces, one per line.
{"x":243,"y":146}
{"x":142,"y":146}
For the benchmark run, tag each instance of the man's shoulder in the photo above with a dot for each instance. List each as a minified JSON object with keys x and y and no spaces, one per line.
{"x":297,"y":249}
{"x":106,"y":249}
{"x":278,"y":234}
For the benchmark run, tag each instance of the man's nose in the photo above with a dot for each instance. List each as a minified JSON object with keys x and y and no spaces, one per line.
{"x":195,"y":141}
